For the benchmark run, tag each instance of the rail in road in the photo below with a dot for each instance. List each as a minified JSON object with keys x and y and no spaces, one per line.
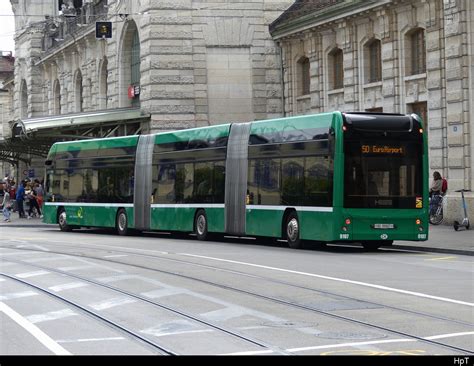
{"x":261,"y":347}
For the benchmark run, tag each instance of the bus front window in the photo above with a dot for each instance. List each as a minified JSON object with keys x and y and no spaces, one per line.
{"x":382,"y":175}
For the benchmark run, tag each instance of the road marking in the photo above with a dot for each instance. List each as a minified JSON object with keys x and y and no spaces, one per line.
{"x":353,"y":344}
{"x":116,"y":256}
{"x":68,"y":286}
{"x":248,"y":353}
{"x":90,"y":340}
{"x":110,"y":303}
{"x":52,"y":315}
{"x":33,"y":246}
{"x":440,"y":258}
{"x":17,"y":295}
{"x":357,"y":344}
{"x":42,"y":337}
{"x":450,"y":335}
{"x":365,"y":284}
{"x":32,"y":274}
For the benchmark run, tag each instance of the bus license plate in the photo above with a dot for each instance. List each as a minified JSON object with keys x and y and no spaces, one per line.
{"x":384,"y":226}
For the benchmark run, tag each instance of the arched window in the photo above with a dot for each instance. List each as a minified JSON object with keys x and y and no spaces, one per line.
{"x":303,"y":76}
{"x":78,"y":91}
{"x":135,"y":66}
{"x":130,"y":67}
{"x":373,"y":58}
{"x":416,"y":52}
{"x":56,"y":98}
{"x":103,"y":90}
{"x":23,"y":99}
{"x":336,"y":69}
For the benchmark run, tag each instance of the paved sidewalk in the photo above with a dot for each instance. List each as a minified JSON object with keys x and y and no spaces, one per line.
{"x":442,"y":238}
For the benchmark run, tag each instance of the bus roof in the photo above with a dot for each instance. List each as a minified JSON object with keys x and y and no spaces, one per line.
{"x":207,"y":133}
{"x":94,"y":144}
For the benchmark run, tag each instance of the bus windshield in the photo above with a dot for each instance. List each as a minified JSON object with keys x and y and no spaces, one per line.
{"x":382,"y":174}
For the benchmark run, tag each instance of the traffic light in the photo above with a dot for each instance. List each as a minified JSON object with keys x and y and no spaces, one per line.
{"x":103,"y":30}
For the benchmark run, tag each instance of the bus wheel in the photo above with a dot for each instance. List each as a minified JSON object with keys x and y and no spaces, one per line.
{"x":122,"y":222}
{"x":63,"y":226}
{"x":292,"y":229}
{"x":200,"y":225}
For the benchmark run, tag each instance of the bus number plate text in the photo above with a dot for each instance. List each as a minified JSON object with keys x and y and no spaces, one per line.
{"x":384,"y":226}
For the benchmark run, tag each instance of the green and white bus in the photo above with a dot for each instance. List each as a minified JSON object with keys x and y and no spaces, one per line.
{"x":332,"y":177}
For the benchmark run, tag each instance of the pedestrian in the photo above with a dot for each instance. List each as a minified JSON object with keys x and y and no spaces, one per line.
{"x":436,"y":184}
{"x":437,"y":190}
{"x":33,"y":202}
{"x":20,"y":197}
{"x":38,"y":188}
{"x":6,"y":204}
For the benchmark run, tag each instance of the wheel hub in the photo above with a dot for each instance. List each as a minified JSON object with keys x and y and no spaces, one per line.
{"x":292,"y":229}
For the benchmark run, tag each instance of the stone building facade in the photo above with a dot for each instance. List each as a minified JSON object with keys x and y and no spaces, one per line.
{"x":177,"y":64}
{"x":6,"y":77}
{"x":396,"y":56}
{"x":200,"y":62}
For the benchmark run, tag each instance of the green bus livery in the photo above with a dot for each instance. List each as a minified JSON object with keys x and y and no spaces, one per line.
{"x":331,"y":177}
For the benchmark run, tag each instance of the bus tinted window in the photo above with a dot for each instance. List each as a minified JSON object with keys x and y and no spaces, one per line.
{"x":112,"y":185}
{"x":272,"y":136}
{"x":382,"y":175}
{"x":202,"y":182}
{"x":291,"y":181}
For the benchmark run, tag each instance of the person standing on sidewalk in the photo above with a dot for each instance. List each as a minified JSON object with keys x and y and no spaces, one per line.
{"x":20,"y":197}
{"x":6,"y":204}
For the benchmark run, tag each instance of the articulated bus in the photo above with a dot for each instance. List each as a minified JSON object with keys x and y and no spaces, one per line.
{"x":331,"y":177}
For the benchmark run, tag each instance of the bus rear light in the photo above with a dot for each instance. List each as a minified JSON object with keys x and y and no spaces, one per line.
{"x":421,"y":130}
{"x":418,"y":221}
{"x":348,"y":221}
{"x":344,"y":128}
{"x":420,"y":228}
{"x":344,"y":228}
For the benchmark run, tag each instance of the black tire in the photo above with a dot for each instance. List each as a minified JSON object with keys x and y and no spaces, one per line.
{"x":200,"y":225}
{"x":292,"y":231}
{"x":121,"y":223}
{"x":456,"y":225}
{"x":436,"y":217}
{"x":62,"y":221}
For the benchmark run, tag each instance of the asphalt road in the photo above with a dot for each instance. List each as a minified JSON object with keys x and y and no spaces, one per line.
{"x":92,"y":292}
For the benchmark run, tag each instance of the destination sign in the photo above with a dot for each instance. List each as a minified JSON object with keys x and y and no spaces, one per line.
{"x":385,"y":149}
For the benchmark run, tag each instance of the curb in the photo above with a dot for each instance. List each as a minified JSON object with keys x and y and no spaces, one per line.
{"x":26,"y":225}
{"x":434,"y":250}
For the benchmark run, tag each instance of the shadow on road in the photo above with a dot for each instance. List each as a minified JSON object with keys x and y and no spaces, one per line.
{"x":340,"y":248}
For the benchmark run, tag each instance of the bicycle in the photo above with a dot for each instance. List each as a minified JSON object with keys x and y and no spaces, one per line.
{"x":436,"y":209}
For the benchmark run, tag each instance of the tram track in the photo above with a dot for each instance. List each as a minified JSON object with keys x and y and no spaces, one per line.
{"x":130,"y":333}
{"x":268,"y":298}
{"x":268,"y":279}
{"x":175,"y":311}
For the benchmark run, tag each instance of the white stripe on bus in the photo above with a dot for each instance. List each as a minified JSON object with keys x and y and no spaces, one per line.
{"x":283,"y":208}
{"x":188,"y":205}
{"x":88,"y":204}
{"x":192,"y":205}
